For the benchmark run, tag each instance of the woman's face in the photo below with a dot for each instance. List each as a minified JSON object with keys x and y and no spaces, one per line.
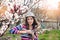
{"x":30,"y":20}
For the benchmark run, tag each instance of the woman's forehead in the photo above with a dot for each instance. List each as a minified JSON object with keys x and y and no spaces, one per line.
{"x":29,"y":17}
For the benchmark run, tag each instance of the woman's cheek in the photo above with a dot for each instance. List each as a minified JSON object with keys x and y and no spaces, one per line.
{"x":31,"y":22}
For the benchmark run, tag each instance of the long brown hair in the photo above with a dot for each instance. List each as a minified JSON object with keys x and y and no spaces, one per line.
{"x":34,"y":23}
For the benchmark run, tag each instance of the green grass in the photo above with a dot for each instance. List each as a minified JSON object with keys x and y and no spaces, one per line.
{"x":51,"y":35}
{"x":13,"y":36}
{"x":48,"y":35}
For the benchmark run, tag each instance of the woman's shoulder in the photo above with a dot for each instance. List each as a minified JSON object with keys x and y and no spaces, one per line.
{"x":23,"y":25}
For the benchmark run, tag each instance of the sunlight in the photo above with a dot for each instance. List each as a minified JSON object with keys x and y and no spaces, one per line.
{"x":52,"y":4}
{"x":52,"y":7}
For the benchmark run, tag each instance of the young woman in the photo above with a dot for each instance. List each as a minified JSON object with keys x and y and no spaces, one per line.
{"x":28,"y":30}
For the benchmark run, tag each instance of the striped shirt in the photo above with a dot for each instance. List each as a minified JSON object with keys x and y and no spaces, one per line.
{"x":14,"y":30}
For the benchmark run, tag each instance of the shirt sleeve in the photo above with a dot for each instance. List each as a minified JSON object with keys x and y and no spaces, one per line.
{"x":15,"y":29}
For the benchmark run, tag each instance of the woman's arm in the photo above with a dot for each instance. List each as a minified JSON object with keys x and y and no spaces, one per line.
{"x":19,"y":30}
{"x":24,"y":31}
{"x":15,"y":29}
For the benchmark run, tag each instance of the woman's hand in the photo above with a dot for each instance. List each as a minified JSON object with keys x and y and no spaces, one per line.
{"x":31,"y":32}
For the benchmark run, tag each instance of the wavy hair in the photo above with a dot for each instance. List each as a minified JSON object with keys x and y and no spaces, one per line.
{"x":33,"y":25}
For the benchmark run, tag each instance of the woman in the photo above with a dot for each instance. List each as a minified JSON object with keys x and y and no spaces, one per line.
{"x":28,"y":30}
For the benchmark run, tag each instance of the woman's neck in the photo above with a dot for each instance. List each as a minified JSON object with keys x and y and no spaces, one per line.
{"x":30,"y":27}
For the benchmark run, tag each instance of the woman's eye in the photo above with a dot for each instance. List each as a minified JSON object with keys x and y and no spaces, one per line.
{"x":31,"y":18}
{"x":27,"y":19}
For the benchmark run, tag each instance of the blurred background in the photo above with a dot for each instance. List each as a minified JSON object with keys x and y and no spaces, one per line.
{"x":12,"y":13}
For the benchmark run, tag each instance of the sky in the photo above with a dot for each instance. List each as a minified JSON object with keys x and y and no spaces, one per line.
{"x":49,"y":4}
